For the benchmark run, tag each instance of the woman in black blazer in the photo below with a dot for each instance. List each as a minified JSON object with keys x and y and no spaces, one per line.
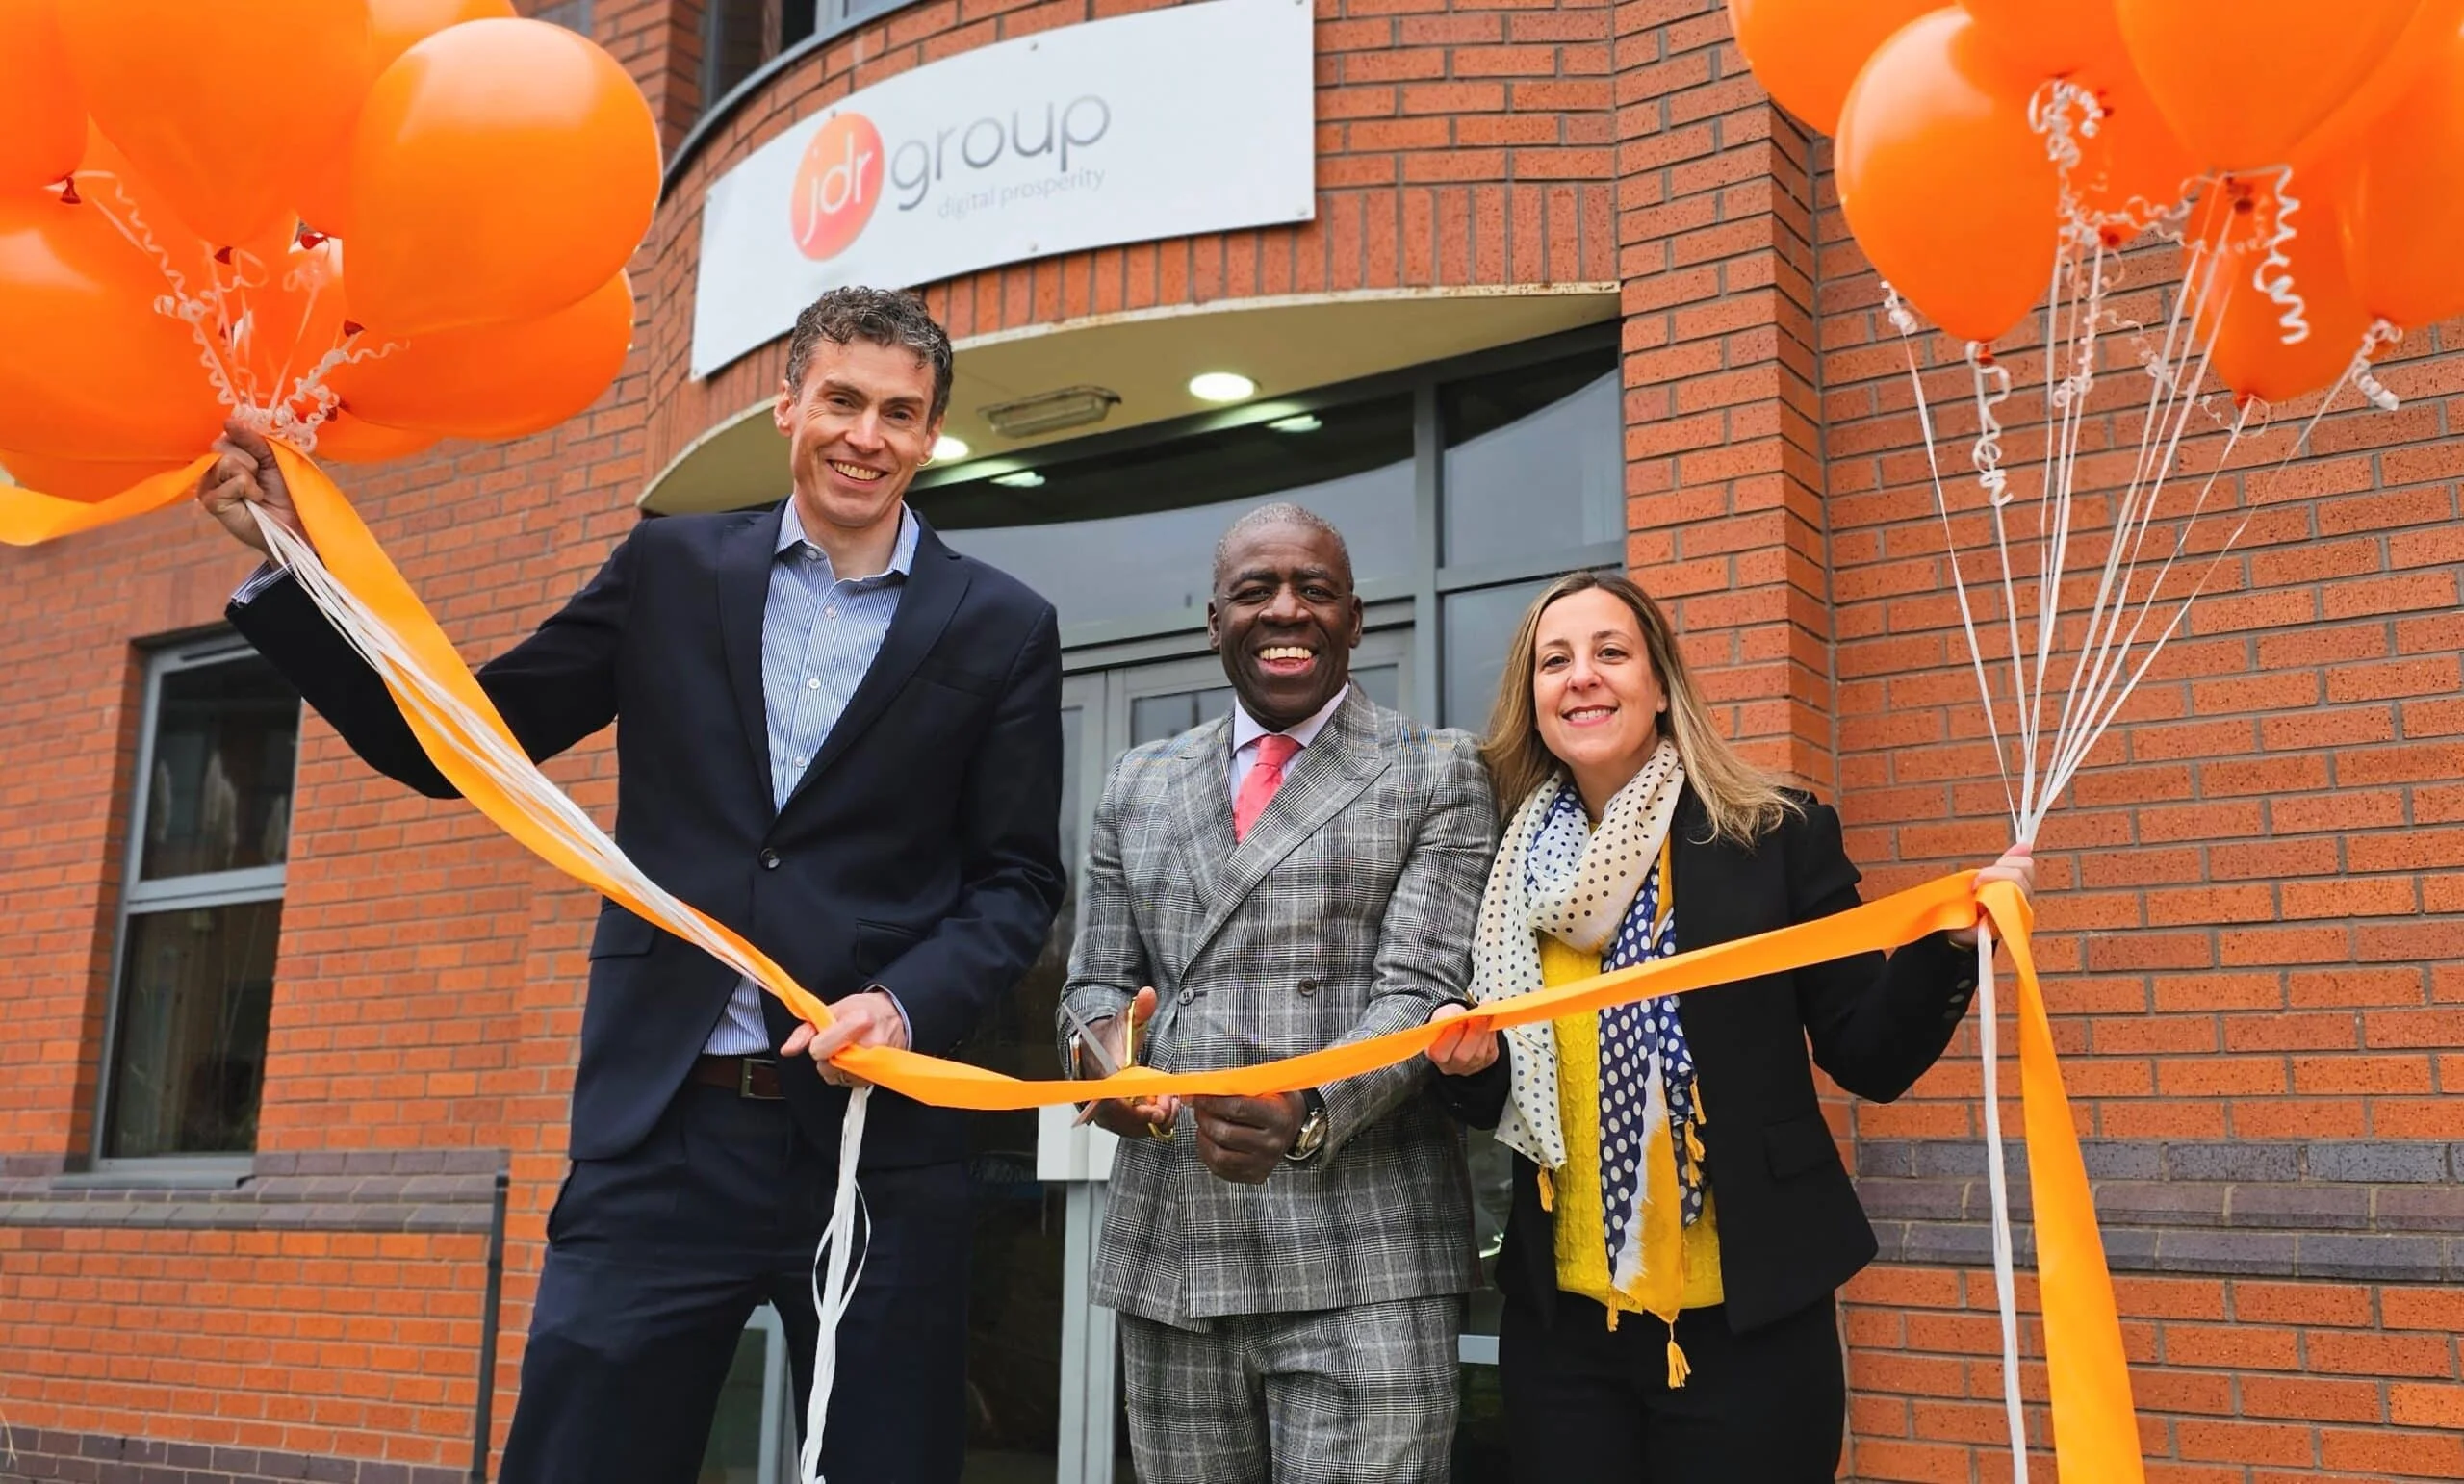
{"x":1673,"y":1167}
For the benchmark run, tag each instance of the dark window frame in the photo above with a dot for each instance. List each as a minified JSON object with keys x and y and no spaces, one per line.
{"x":140,"y":898}
{"x":1416,"y":597}
{"x":806,"y":26}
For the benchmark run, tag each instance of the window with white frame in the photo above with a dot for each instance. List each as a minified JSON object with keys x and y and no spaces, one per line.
{"x":201,"y":908}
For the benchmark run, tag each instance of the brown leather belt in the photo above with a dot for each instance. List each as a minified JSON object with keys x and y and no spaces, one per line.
{"x":753,"y":1077}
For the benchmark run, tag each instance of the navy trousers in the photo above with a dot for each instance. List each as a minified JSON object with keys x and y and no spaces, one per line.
{"x":1586,"y":1402}
{"x":657,"y":1257}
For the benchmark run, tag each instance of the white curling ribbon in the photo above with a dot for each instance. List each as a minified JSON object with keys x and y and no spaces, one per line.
{"x":1987,"y":451}
{"x":2274,"y":276}
{"x":2381,"y":335}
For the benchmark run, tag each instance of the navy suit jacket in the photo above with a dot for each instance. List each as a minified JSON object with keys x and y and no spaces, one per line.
{"x":920,"y":852}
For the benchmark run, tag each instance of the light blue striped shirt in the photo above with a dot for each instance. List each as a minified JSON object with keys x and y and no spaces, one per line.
{"x":820,"y":632}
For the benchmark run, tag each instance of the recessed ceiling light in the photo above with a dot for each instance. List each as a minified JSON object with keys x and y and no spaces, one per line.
{"x":948,"y":450}
{"x":1222,"y":387}
{"x":1023,"y":479}
{"x":1306,"y":423}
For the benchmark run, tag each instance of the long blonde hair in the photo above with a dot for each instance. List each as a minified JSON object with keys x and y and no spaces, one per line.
{"x":1741,"y":801}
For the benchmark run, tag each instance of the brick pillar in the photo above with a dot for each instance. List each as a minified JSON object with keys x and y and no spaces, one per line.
{"x":659,"y":42}
{"x":1724,"y":455}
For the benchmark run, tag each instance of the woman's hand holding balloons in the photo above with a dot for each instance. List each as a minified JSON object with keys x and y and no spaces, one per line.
{"x":2018,"y":867}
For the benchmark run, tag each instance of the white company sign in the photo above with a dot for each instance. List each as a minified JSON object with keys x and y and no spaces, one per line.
{"x":1194,"y":118}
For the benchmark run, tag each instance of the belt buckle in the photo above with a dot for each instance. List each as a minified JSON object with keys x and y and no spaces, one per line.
{"x":744,"y":1079}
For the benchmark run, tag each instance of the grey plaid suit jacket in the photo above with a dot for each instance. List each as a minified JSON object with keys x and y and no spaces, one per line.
{"x":1347,"y":912}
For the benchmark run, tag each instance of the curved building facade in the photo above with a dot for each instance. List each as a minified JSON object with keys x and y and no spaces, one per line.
{"x":1505,"y":287}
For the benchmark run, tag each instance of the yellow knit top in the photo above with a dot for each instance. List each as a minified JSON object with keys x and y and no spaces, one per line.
{"x":1581,"y":1229}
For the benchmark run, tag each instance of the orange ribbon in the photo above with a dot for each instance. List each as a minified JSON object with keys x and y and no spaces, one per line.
{"x":2096,"y":1431}
{"x":28,"y":518}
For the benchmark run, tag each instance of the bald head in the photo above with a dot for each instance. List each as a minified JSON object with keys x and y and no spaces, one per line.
{"x":1281,"y":513}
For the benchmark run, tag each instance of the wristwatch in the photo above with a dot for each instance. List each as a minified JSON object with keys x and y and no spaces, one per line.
{"x":1312,"y":1133}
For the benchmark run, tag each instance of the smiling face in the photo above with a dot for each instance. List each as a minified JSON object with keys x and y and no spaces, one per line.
{"x":1595,"y":695}
{"x":857,"y":429}
{"x":1286,"y":619}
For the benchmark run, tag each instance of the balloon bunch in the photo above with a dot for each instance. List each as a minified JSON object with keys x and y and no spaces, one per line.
{"x":2308,"y":157}
{"x":2324,"y":145}
{"x":359,"y":225}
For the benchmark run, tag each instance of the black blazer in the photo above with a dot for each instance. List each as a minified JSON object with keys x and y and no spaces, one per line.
{"x":1791,"y":1228}
{"x":920,"y":852}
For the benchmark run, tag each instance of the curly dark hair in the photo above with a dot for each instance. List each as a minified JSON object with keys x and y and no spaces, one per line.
{"x":880,"y":316}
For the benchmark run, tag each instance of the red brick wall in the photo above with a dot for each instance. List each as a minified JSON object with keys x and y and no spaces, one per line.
{"x":332,"y":1345}
{"x":1724,"y":479}
{"x":2238,"y":1381}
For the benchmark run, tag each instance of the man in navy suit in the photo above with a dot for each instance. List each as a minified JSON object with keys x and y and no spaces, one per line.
{"x":841,"y":739}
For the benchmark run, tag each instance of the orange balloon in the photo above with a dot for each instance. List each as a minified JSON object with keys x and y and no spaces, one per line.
{"x":85,"y":479}
{"x":501,"y":170}
{"x":2132,"y":165}
{"x":2043,"y":38}
{"x":88,"y":368}
{"x":2405,"y":206}
{"x":395,"y":26}
{"x":1946,"y":186}
{"x":2245,"y":82}
{"x":498,"y":380}
{"x":220,"y":105}
{"x":2425,"y":41}
{"x":344,"y":438}
{"x":1806,"y":53}
{"x":43,"y":116}
{"x":321,"y":195}
{"x":2251,"y":355}
{"x":322,"y":192}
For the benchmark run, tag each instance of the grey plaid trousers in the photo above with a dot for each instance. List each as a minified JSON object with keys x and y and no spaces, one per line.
{"x":1364,"y":1395}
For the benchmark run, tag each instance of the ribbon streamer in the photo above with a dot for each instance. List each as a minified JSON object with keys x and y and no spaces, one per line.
{"x":29,"y":518}
{"x":344,"y":569}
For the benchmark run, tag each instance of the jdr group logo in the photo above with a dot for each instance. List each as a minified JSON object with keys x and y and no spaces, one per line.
{"x":838,"y":184}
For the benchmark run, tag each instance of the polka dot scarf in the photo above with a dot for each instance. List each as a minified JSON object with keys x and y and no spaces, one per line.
{"x":1584,"y":886}
{"x":1646,"y":1083}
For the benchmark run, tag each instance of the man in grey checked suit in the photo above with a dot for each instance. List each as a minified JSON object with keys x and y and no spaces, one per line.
{"x":1289,"y":1270}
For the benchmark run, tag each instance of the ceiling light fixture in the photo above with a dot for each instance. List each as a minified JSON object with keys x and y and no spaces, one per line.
{"x":1222,"y":387}
{"x":948,"y":450}
{"x":1050,"y":412}
{"x":1023,"y":479}
{"x":1305,"y":422}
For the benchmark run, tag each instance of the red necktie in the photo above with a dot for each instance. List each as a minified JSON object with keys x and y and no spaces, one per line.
{"x":1266,"y":775}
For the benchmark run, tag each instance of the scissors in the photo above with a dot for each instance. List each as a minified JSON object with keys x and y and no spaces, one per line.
{"x":1092,"y":1047}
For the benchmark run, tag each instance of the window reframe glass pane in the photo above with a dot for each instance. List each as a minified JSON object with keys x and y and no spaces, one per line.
{"x":149,"y":906}
{"x":1553,"y":437}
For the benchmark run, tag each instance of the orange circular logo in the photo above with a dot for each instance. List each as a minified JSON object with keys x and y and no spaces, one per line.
{"x":837,"y":184}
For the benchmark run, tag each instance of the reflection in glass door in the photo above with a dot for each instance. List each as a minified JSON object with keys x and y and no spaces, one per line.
{"x":1016,"y":1302}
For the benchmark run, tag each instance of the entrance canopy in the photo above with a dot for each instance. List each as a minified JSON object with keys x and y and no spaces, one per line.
{"x":1146,"y":358}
